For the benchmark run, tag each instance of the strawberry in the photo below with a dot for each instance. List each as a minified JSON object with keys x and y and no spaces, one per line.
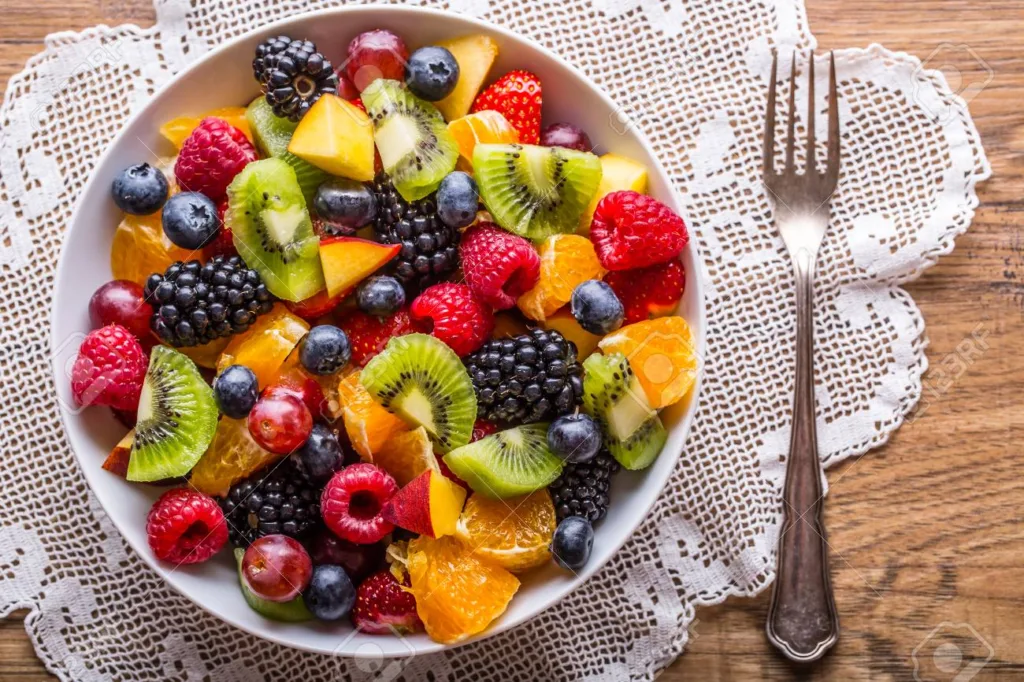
{"x":517,"y":97}
{"x":649,"y":292}
{"x":368,"y":334}
{"x":383,"y":607}
{"x":461,"y":318}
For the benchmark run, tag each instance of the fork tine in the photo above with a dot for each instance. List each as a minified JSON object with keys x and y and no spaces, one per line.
{"x":768,"y":155}
{"x":811,"y":160}
{"x":791,"y":137}
{"x":832,"y":171}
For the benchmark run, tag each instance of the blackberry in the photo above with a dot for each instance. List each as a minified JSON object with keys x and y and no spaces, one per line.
{"x":529,"y":378}
{"x":430,"y":249}
{"x":583,"y":488}
{"x":275,"y":500}
{"x":195,"y":303}
{"x":293,"y":75}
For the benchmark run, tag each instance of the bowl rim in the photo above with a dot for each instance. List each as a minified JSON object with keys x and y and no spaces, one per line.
{"x":468,"y":22}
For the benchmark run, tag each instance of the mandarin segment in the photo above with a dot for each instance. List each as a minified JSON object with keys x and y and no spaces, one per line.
{"x":483,"y":127}
{"x":177,"y":130}
{"x":141,"y":248}
{"x":232,"y":456}
{"x":566,"y":260}
{"x":457,"y":594}
{"x":406,"y":455}
{"x":514,"y":533}
{"x":265,"y":346}
{"x":663,"y":355}
{"x":367,"y":424}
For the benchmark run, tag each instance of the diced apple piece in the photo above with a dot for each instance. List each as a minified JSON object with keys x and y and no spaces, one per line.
{"x":475,"y":55}
{"x":337,"y":137}
{"x":117,"y":461}
{"x":617,"y":173}
{"x":429,"y":505}
{"x":349,"y":260}
{"x":564,"y":323}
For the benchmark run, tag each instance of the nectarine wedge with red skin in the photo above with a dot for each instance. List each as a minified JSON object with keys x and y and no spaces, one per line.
{"x":429,"y":505}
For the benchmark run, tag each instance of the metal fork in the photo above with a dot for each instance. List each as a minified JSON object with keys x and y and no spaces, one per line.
{"x":802,"y":619}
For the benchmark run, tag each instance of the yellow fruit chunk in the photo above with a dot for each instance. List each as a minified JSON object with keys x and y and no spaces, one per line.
{"x":662,"y":355}
{"x":429,"y":505}
{"x":232,"y":456}
{"x":207,"y":354}
{"x":406,"y":455}
{"x":265,"y":346}
{"x":617,"y":173}
{"x":483,"y":127}
{"x":475,"y":55}
{"x":508,"y":325}
{"x":141,"y":248}
{"x":367,"y":424}
{"x":564,"y":323}
{"x":336,"y":136}
{"x":457,"y":594}
{"x":177,"y":130}
{"x":514,"y":532}
{"x":566,"y":260}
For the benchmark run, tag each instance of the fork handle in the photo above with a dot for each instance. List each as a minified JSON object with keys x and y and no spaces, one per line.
{"x":802,"y":619}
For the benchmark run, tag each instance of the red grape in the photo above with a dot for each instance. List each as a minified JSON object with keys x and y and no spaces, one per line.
{"x":305,"y":388}
{"x":376,"y":54}
{"x":124,"y":303}
{"x":276,"y":568}
{"x":566,"y":135}
{"x":359,"y":561}
{"x":280,"y":422}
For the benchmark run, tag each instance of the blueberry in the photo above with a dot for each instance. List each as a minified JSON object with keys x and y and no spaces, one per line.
{"x":320,"y":456}
{"x":574,"y":438}
{"x":236,"y":391}
{"x":345,"y":205}
{"x":190,"y":220}
{"x":324,"y":350}
{"x":457,"y":200}
{"x":596,"y":307}
{"x":381,"y":295}
{"x":572,"y":542}
{"x":139,"y":189}
{"x":431,"y":73}
{"x":330,"y":594}
{"x":566,"y":135}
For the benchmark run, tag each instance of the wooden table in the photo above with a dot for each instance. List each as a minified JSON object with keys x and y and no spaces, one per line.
{"x":926,"y":530}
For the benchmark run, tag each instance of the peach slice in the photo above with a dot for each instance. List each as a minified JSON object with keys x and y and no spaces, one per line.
{"x":336,"y":136}
{"x":429,"y":505}
{"x":349,"y":260}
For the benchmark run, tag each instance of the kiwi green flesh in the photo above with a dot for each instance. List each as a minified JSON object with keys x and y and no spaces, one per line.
{"x":177,"y":418}
{"x":613,"y":396}
{"x":508,"y":463}
{"x":272,"y":134}
{"x":423,"y":381}
{"x":536,"y":191}
{"x":272,"y":231}
{"x":293,"y":611}
{"x":415,"y":147}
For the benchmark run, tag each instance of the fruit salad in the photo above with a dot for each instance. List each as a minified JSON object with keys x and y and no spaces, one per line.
{"x":385,"y":335}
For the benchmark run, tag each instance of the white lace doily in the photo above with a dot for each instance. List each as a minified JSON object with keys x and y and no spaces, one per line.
{"x":692,"y":74}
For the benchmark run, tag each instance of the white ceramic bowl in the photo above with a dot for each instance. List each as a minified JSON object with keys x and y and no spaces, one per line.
{"x":224,"y":78}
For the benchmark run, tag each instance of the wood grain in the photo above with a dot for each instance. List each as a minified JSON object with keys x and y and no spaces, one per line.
{"x":925,"y":531}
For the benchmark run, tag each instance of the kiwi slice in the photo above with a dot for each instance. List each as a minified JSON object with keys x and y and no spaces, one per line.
{"x":271,"y":229}
{"x":613,"y":396}
{"x":293,"y":611}
{"x":508,"y":463}
{"x":272,"y":134}
{"x":423,"y":381}
{"x":536,"y":191}
{"x":177,"y":418}
{"x":413,"y":140}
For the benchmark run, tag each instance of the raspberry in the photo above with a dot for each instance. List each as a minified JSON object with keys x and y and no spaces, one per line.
{"x":368,"y":334}
{"x":352,"y":501}
{"x":185,"y":527}
{"x":461,"y":319}
{"x":631,"y":230}
{"x":212,"y":156}
{"x":498,"y":265}
{"x":649,"y":292}
{"x":383,"y":607}
{"x":109,"y":369}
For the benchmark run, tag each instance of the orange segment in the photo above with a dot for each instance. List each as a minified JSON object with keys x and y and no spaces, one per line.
{"x":367,"y":424}
{"x":508,"y":325}
{"x":457,"y":594}
{"x":140,"y":248}
{"x":406,"y":455}
{"x":566,"y":260}
{"x":483,"y":127}
{"x":513,"y":533}
{"x":233,"y":455}
{"x":265,"y":346}
{"x":662,"y":354}
{"x":177,"y":130}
